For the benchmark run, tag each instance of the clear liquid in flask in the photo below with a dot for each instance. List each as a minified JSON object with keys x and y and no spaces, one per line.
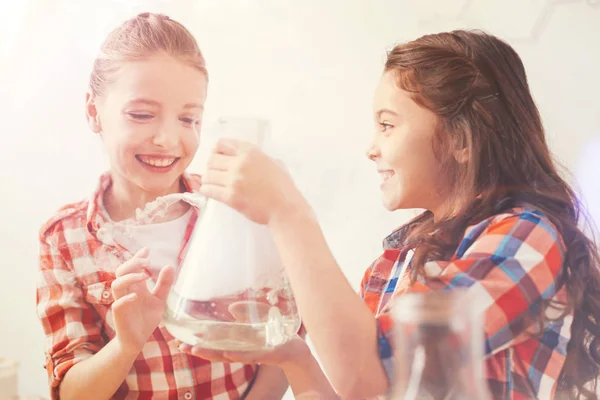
{"x":246,"y":322}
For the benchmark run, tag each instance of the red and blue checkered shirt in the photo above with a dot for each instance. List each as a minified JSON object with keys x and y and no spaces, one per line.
{"x":513,"y":263}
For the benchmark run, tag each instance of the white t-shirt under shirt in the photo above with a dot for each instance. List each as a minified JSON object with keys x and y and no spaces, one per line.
{"x":163,"y":240}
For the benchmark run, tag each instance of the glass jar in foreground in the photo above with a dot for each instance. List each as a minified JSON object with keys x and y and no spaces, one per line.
{"x":438,"y":348}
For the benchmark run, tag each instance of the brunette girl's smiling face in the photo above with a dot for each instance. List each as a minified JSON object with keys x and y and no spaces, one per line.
{"x":402,"y":148}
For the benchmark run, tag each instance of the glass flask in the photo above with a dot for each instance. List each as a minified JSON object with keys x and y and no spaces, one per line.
{"x":438,"y":348}
{"x":231,"y":291}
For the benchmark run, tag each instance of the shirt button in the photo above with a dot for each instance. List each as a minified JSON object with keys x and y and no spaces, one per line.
{"x":187,"y":396}
{"x":106,"y":294}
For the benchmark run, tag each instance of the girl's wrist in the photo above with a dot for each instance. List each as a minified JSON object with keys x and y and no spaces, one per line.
{"x":299,"y":358}
{"x":292,"y":208}
{"x":125,"y":350}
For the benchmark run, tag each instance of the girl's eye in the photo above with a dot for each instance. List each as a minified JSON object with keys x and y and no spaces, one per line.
{"x":141,"y":117}
{"x":190,"y":121}
{"x":385,"y":127}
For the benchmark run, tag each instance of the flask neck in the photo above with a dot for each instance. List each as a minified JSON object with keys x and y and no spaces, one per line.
{"x":249,"y":130}
{"x":438,"y":346}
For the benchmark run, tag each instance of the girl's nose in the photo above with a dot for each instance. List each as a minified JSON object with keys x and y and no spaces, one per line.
{"x":372,"y":152}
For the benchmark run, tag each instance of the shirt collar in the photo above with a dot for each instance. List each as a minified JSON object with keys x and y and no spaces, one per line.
{"x":97,"y":215}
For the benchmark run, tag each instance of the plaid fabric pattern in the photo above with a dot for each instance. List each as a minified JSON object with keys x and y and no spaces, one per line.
{"x":77,"y":266}
{"x":512,"y":262}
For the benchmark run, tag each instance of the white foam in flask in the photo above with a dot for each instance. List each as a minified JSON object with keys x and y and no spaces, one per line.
{"x":223,"y":242}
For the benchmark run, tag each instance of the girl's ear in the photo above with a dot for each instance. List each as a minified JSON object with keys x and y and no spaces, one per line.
{"x":91,"y":113}
{"x":460,"y":148}
{"x":462,"y":155}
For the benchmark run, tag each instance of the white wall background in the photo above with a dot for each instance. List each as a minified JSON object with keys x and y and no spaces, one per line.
{"x":308,"y":66}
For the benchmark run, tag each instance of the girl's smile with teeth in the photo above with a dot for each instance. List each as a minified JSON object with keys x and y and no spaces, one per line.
{"x":157,"y":161}
{"x":385,"y":175}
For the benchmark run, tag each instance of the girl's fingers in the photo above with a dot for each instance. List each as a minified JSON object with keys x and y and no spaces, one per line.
{"x":211,"y":355}
{"x":120,"y":286}
{"x":220,"y":162}
{"x":124,"y":301}
{"x":166,"y":277}
{"x":215,"y":192}
{"x":214,"y":177}
{"x":139,"y":262}
{"x":228,"y":147}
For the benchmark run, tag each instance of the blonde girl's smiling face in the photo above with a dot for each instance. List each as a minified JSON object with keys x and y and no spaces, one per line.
{"x":149,"y":117}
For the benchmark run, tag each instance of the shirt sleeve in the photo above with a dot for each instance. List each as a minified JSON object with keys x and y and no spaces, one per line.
{"x":511,"y":265}
{"x":71,"y":325}
{"x":383,"y":321}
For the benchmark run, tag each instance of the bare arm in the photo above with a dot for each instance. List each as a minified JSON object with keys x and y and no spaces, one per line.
{"x":270,"y":383}
{"x":98,"y":377}
{"x":306,"y":377}
{"x":137,"y":312}
{"x":293,"y":358}
{"x":342,"y":328}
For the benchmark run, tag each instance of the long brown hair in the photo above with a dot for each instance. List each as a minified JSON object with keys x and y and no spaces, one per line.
{"x":476,"y":84}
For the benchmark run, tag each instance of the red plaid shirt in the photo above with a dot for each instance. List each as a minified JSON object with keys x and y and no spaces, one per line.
{"x":74,"y":300}
{"x":512,"y":261}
